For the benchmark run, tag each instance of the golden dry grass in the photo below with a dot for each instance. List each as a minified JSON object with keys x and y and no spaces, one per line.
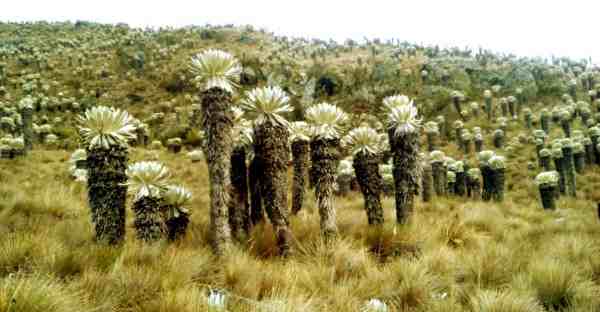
{"x":454,"y":256}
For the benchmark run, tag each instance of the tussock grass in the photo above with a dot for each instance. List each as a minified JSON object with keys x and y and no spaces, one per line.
{"x":453,"y":256}
{"x":503,"y":301}
{"x":39,"y":293}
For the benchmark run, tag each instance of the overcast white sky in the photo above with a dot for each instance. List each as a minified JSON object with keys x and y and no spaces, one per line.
{"x":524,"y":27}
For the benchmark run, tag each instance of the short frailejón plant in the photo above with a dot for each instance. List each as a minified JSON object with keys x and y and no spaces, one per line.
{"x":148,"y":180}
{"x":547,"y":183}
{"x":498,"y":166}
{"x":105,"y":132}
{"x":487,"y":174}
{"x":176,"y":214}
{"x":365,"y":146}
{"x":26,"y":108}
{"x":403,"y":132}
{"x":326,"y":121}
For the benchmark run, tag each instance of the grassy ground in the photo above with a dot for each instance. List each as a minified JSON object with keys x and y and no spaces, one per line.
{"x":455,"y":256}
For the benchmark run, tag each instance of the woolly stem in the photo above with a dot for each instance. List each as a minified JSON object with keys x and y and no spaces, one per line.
{"x":107,"y":193}
{"x":254,"y":180}
{"x":300,"y":152}
{"x":148,"y":224}
{"x":217,"y":123}
{"x":369,"y":179}
{"x":324,"y":157}
{"x":271,"y":147}
{"x":406,"y":171}
{"x":239,"y":209}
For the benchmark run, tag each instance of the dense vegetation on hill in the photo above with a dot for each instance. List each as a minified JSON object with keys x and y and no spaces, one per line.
{"x":491,"y":249}
{"x":146,"y":71}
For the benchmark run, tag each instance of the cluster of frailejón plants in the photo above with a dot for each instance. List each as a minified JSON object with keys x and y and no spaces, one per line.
{"x":247,"y":141}
{"x":159,"y":206}
{"x":105,"y":133}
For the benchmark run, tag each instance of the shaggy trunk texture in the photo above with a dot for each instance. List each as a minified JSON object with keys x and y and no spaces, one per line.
{"x":460,"y":184}
{"x":431,"y":142}
{"x":27,"y":121}
{"x":547,"y":196}
{"x":106,"y":192}
{"x":324,"y":157}
{"x":558,"y":164}
{"x":569,"y":169}
{"x":478,"y":145}
{"x":300,"y":153}
{"x":257,"y":214}
{"x":271,"y":147}
{"x":579,"y":159}
{"x":498,"y":181}
{"x":590,"y":157}
{"x":406,"y":172}
{"x":427,"y":183}
{"x":175,"y":226}
{"x":439,"y":178}
{"x":217,"y":123}
{"x":149,"y":226}
{"x":239,"y":210}
{"x":545,"y":122}
{"x":488,"y":108}
{"x":546,"y":163}
{"x":488,"y":182}
{"x":369,"y":179}
{"x":595,"y":149}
